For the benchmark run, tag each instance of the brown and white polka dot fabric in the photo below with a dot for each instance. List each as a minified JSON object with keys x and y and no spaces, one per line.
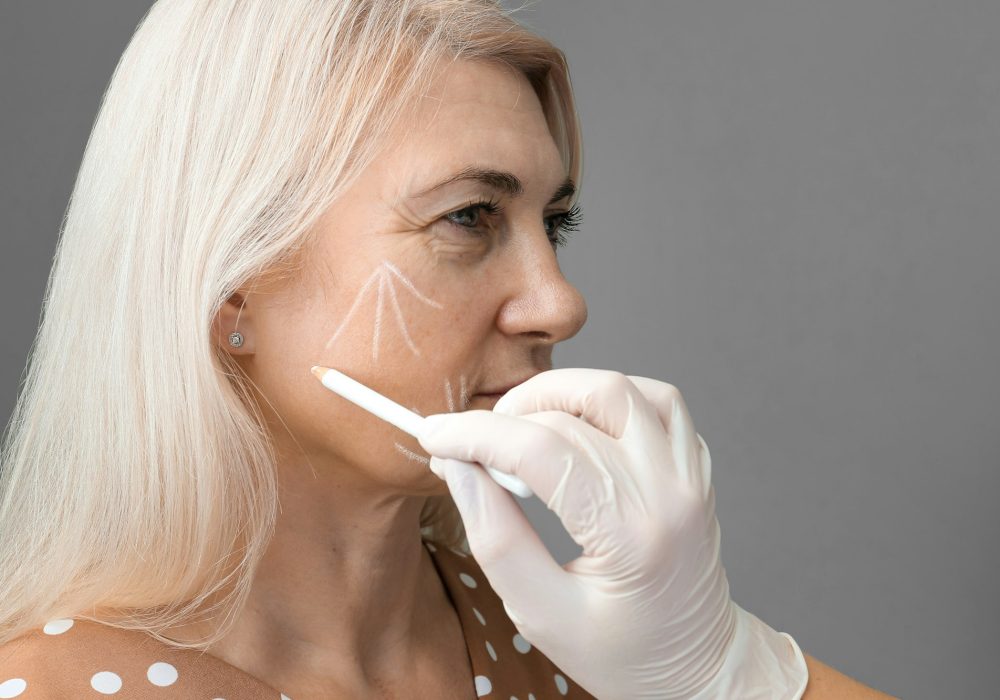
{"x":80,"y":659}
{"x":504,"y":663}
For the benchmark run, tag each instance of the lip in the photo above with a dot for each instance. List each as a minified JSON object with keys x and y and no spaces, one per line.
{"x":489,"y":399}
{"x":500,"y":392}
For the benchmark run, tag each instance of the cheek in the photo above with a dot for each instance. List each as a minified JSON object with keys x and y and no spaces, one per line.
{"x":414,"y":333}
{"x":401,"y":326}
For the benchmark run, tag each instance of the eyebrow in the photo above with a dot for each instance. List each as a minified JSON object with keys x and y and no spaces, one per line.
{"x":502,"y":181}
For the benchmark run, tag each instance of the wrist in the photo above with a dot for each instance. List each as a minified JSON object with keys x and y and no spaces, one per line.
{"x":760,"y":664}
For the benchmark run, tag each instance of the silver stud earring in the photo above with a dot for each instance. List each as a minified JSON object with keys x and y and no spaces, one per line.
{"x":236,"y":339}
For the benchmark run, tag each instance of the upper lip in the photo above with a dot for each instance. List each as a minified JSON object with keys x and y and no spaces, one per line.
{"x":507,"y":387}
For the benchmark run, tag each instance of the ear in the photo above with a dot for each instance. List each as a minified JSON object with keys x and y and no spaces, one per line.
{"x":236,"y":314}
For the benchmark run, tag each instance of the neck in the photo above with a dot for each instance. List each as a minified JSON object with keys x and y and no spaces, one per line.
{"x":345,"y":590}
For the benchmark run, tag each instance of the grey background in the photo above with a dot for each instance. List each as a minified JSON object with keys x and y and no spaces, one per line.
{"x":791,"y":213}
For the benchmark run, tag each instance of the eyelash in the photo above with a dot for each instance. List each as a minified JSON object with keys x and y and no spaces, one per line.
{"x":569,"y":221}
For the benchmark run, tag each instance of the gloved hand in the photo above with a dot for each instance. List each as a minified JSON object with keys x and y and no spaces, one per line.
{"x":645,"y":611}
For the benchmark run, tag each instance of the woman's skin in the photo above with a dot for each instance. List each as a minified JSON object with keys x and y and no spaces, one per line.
{"x":346,"y":601}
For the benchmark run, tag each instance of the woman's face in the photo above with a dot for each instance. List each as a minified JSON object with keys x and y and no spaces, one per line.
{"x":426,"y":300}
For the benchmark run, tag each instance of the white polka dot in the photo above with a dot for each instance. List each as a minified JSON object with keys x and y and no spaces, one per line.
{"x":531,"y":696}
{"x":492,"y":652}
{"x":561,"y":684}
{"x":106,"y":682}
{"x":57,"y":626}
{"x":521,"y":644}
{"x":513,"y":697}
{"x":468,"y":580}
{"x":479,"y":616}
{"x":431,"y":547}
{"x":483,"y":686}
{"x":161,"y":674}
{"x":12,"y":687}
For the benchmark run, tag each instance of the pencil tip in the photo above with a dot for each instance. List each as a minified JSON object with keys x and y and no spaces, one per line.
{"x":318,"y":371}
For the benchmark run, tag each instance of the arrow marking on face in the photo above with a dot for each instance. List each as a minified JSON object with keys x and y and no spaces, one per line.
{"x":412,"y":455}
{"x":463,"y":396}
{"x":386,"y":275}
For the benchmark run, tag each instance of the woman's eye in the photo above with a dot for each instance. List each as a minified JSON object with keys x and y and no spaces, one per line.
{"x":469,"y":216}
{"x":565,"y":223}
{"x":558,"y":226}
{"x":466,"y":218}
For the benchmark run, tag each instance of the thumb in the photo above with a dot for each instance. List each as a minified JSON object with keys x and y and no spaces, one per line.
{"x":531,"y":584}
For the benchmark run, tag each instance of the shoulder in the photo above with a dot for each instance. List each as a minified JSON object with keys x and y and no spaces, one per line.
{"x":71,"y":658}
{"x":48,"y":662}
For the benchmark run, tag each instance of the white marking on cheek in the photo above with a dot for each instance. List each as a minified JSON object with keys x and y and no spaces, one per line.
{"x":412,"y":455}
{"x":409,"y":284}
{"x":378,"y":317}
{"x":354,"y":307}
{"x":399,"y":318}
{"x":447,"y":395}
{"x":383,"y":274}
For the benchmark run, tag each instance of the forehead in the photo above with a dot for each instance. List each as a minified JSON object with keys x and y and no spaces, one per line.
{"x":480,"y":85}
{"x":475,"y":112}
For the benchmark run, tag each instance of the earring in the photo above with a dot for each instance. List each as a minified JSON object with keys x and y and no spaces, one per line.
{"x":236,"y":339}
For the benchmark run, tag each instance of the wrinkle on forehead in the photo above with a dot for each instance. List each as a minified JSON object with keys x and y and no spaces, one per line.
{"x":451,"y":84}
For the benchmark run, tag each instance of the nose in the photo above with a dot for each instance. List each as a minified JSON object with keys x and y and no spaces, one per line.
{"x":543,"y":303}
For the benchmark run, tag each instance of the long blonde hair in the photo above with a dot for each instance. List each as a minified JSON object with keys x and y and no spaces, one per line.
{"x":137,"y":481}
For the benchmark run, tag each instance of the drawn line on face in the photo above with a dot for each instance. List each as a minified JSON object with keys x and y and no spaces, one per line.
{"x":378,"y":317}
{"x":382,"y":275}
{"x":354,"y":307}
{"x":412,"y":455}
{"x":399,"y":318}
{"x":463,"y":397}
{"x":447,"y":395}
{"x":402,"y":278}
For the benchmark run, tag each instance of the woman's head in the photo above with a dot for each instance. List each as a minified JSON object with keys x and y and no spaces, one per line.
{"x":412,"y":287}
{"x":262,"y":155}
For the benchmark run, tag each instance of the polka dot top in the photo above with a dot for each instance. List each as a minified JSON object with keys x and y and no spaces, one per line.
{"x":81,"y":659}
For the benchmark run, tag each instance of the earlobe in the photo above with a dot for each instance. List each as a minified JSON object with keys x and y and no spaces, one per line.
{"x":233,"y":326}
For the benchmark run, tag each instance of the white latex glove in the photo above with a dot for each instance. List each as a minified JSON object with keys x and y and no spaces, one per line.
{"x":645,"y":611}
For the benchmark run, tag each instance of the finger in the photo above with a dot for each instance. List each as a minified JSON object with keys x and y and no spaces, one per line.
{"x":604,"y":398}
{"x":513,"y":558}
{"x":555,"y":468}
{"x":658,"y":394}
{"x":675,"y":417}
{"x":706,"y":466}
{"x":599,"y":492}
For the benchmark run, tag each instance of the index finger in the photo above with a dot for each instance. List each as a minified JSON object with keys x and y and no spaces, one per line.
{"x":604,"y":398}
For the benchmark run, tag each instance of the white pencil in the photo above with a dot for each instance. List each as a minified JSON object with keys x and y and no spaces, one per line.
{"x":400,"y":416}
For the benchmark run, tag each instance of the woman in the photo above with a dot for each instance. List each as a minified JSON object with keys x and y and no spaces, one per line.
{"x":378,"y":186}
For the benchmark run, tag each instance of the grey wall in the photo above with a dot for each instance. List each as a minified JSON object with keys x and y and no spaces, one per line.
{"x":791,"y":213}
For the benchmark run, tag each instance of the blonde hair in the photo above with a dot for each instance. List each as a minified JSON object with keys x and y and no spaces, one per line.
{"x":137,"y":481}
